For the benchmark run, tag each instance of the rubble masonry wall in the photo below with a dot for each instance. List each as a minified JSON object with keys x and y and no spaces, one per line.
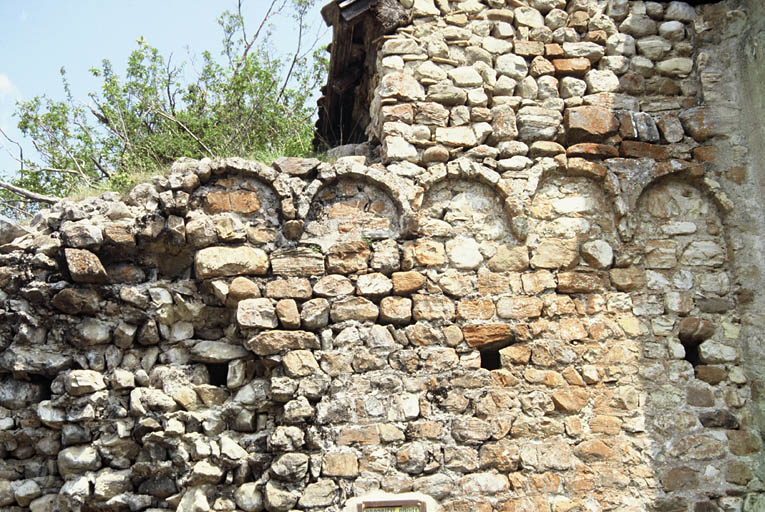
{"x":541,"y":293}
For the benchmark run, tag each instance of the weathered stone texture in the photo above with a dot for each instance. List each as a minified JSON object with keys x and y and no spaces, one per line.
{"x":532,"y":289}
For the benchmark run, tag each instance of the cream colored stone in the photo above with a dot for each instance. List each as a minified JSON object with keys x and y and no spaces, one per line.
{"x":230,"y":261}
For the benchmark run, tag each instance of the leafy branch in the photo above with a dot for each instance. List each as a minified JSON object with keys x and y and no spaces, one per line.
{"x":250,"y":102}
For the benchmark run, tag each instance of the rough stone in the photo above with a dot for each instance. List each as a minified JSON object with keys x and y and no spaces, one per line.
{"x":598,"y":253}
{"x":340,"y":465}
{"x":555,"y":253}
{"x":486,"y":334}
{"x":314,"y":314}
{"x":288,"y":314}
{"x":78,"y":459}
{"x":237,"y":201}
{"x":348,"y":257}
{"x":354,"y":308}
{"x":84,"y":266}
{"x":274,"y":342}
{"x":83,"y":382}
{"x":248,"y":497}
{"x":589,"y":123}
{"x":297,"y":262}
{"x":230,"y":261}
{"x":256,"y":313}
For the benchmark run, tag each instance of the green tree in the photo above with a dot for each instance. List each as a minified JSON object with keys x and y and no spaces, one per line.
{"x":249,"y":102}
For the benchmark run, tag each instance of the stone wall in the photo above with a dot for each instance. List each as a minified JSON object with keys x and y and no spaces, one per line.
{"x":541,"y":293}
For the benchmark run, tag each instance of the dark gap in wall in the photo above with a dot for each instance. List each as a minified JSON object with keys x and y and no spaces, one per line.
{"x":691,"y":352}
{"x":490,"y":359}
{"x":44,"y":383}
{"x":218,"y":373}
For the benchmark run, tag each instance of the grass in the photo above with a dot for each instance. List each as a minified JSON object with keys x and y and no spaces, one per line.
{"x":129,"y":180}
{"x":123,"y":186}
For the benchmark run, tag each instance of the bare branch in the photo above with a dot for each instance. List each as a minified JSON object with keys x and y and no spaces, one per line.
{"x":104,"y":172}
{"x":29,"y":194}
{"x":171,"y":72}
{"x":20,"y":158}
{"x":294,"y":59}
{"x":19,"y":210}
{"x":248,"y":44}
{"x":69,"y":154}
{"x":53,"y":169}
{"x":171,"y":118}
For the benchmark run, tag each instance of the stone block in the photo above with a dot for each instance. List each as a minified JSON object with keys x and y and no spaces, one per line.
{"x":555,"y":253}
{"x":580,"y":282}
{"x":475,"y":309}
{"x":374,"y":285}
{"x":519,"y":308}
{"x":509,"y":259}
{"x":348,"y":257}
{"x":83,"y":382}
{"x":627,"y":279}
{"x":432,"y":307}
{"x":314,"y":313}
{"x":660,"y":254}
{"x":589,"y":123}
{"x":288,"y":314}
{"x":570,"y":400}
{"x":572,"y":67}
{"x":635,"y":149}
{"x":273,"y":342}
{"x":230,"y":261}
{"x":333,"y":285}
{"x":290,"y":288}
{"x":680,"y":478}
{"x":237,"y":201}
{"x":429,"y":253}
{"x":405,"y":283}
{"x":340,"y":465}
{"x":537,"y":282}
{"x":456,"y":136}
{"x":73,"y":301}
{"x":478,"y":335}
{"x":297,"y":262}
{"x":84,"y":266}
{"x":256,"y":313}
{"x":353,"y":308}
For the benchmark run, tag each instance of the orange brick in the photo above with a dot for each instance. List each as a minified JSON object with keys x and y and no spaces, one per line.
{"x":576,"y":66}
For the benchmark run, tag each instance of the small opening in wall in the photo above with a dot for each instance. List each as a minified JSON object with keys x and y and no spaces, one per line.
{"x":691,"y":352}
{"x":490,"y":354}
{"x":44,"y":383}
{"x":218,"y":373}
{"x":490,"y":359}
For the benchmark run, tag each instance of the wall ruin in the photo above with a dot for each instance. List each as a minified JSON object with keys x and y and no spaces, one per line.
{"x":537,"y":289}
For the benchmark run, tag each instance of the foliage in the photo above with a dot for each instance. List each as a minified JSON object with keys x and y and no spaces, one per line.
{"x":246,"y":102}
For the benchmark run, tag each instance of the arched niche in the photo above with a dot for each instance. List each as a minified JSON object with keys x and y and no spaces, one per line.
{"x":351,"y":209}
{"x":245,"y":197}
{"x":680,"y":229}
{"x":681,"y":242}
{"x":464,"y":208}
{"x":673,"y":207}
{"x":572,"y":207}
